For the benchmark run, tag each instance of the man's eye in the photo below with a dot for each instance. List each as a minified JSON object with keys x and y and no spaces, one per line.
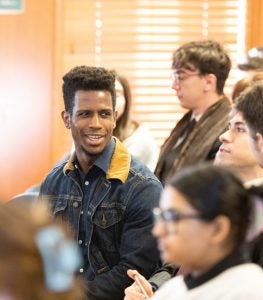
{"x":83,"y":114}
{"x":105,"y":114}
{"x":241,"y":129}
{"x":180,"y":76}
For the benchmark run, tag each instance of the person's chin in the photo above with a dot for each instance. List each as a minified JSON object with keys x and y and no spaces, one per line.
{"x":165,"y":254}
{"x":218,"y":161}
{"x":166,"y":257}
{"x":184,"y":105}
{"x":222,"y":157}
{"x":93,"y":150}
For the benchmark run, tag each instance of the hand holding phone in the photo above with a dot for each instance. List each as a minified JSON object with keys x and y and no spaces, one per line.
{"x":137,"y":280}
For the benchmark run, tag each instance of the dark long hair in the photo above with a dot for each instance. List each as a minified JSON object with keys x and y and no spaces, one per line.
{"x":124,"y":122}
{"x":214,"y":191}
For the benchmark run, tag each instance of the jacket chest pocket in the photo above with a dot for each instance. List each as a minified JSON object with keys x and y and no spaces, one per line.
{"x":65,"y":207}
{"x":60,"y":204}
{"x":107,"y":217}
{"x":107,"y":228}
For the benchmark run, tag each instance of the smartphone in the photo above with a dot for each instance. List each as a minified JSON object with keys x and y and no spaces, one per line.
{"x":137,"y":280}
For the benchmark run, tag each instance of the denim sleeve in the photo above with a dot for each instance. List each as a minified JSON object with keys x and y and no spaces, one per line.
{"x":138,"y":248}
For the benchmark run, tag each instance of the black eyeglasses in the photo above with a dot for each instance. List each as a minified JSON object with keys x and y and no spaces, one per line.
{"x":181,"y":76}
{"x":172,"y":215}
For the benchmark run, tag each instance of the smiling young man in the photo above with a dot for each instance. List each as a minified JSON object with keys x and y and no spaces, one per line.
{"x":199,"y":71}
{"x":106,"y":195}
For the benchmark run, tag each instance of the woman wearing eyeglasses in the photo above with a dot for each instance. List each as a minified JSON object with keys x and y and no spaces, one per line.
{"x":202,"y":224}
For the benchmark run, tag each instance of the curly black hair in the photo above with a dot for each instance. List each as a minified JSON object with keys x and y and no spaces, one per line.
{"x":87,"y":78}
{"x":214,"y":190}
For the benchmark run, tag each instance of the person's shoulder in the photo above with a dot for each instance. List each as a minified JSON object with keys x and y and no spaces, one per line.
{"x":139,"y":169}
{"x":141,"y":135}
{"x":249,"y":272}
{"x":232,"y":280}
{"x":58,"y":170}
{"x":246,"y":268}
{"x":143,"y":129}
{"x":172,"y":286}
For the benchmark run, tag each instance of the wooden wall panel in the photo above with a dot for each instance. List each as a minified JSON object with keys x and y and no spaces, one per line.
{"x":26,"y":74}
{"x":61,"y":141}
{"x":254,"y":33}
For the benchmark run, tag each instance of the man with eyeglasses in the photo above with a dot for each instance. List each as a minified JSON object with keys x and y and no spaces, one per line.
{"x":199,"y":72}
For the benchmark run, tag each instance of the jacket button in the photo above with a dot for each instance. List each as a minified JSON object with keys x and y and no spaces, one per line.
{"x":81,"y":270}
{"x":75,"y":204}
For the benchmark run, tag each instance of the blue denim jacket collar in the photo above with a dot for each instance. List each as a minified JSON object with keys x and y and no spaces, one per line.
{"x":119,"y":164}
{"x":103,"y":161}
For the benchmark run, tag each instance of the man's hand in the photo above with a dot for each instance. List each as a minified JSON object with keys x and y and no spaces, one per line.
{"x":134,"y":291}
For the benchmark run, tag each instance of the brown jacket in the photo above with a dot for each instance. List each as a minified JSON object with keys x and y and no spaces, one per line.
{"x":199,"y":142}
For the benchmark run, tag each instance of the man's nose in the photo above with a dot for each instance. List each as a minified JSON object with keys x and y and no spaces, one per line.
{"x":175,"y":84}
{"x":95,"y":121}
{"x":226,"y":136}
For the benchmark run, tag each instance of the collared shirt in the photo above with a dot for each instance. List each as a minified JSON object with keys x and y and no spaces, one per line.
{"x":88,"y":184}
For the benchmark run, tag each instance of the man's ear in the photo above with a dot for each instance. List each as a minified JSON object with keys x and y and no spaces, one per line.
{"x":66,"y":119}
{"x":210,"y":82}
{"x":259,"y":141}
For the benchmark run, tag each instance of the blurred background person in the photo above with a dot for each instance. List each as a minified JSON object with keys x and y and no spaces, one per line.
{"x":244,"y":83}
{"x":136,"y":137}
{"x":253,"y":62}
{"x":202,"y":224}
{"x":38,"y":258}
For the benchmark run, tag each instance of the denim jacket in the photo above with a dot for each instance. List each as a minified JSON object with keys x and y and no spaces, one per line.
{"x":118,"y":220}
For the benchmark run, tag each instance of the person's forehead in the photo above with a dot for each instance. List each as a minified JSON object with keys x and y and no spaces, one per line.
{"x":235,"y":115}
{"x":184,"y":70}
{"x":92,"y":97}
